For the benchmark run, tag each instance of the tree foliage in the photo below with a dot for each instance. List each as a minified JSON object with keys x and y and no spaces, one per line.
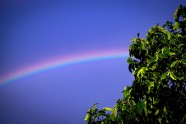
{"x":158,"y":92}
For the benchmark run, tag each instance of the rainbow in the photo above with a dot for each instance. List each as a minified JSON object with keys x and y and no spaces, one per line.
{"x":61,"y":62}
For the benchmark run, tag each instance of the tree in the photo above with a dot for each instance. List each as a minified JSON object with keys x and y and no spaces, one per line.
{"x":158,"y":92}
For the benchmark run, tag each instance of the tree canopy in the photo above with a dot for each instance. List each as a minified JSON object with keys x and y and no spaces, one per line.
{"x":158,"y":92}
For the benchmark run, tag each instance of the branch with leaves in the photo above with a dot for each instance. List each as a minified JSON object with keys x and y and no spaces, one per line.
{"x":158,"y":92}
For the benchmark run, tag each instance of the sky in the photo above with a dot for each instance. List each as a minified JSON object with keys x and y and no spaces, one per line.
{"x":58,"y":58}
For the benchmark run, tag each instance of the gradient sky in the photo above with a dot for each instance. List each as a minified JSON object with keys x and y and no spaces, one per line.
{"x":39,"y":35}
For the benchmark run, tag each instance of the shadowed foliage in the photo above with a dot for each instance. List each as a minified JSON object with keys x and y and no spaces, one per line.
{"x":158,"y":92}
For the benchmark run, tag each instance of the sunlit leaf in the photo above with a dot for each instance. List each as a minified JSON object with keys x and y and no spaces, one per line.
{"x":184,"y":55}
{"x":172,"y":53}
{"x":151,"y":84}
{"x":151,"y":106}
{"x":141,"y":72}
{"x":108,"y":109}
{"x":177,"y":14}
{"x":135,"y":40}
{"x":176,"y":26}
{"x":164,"y":75}
{"x":131,"y":47}
{"x":168,"y":36}
{"x":154,"y":66}
{"x":87,"y":117}
{"x":174,"y":63}
{"x":150,"y":98}
{"x":127,"y":92}
{"x":145,"y":110}
{"x":172,"y":75}
{"x":157,"y":111}
{"x":143,"y":45}
{"x":129,"y":60}
{"x":114,"y":112}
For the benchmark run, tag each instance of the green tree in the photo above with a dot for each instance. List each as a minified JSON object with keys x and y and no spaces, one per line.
{"x":158,"y":92}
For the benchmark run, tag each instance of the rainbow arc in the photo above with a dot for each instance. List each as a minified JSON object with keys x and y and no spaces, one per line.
{"x":62,"y":62}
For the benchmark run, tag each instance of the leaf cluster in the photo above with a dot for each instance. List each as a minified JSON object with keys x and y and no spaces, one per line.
{"x":158,"y":92}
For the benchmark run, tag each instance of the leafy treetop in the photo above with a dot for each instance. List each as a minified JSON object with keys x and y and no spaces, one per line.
{"x":158,"y":92}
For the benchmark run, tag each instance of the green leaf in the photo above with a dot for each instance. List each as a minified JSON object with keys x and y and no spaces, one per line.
{"x":150,"y":98}
{"x":168,"y":36}
{"x":133,"y":103}
{"x":141,"y":72}
{"x":151,"y":106}
{"x":184,"y":55}
{"x":140,"y":106}
{"x":108,"y":109}
{"x":164,"y":75}
{"x":151,"y":84}
{"x":143,"y":45}
{"x":146,"y":112}
{"x":176,"y":26}
{"x":174,"y":63}
{"x":157,"y":111}
{"x":94,"y":106}
{"x":114,"y":112}
{"x":179,"y":78}
{"x":151,"y":30}
{"x":159,"y":119}
{"x":157,"y":56}
{"x":184,"y":61}
{"x":165,"y":110}
{"x":131,"y":47}
{"x":152,"y":60}
{"x":101,"y":112}
{"x":112,"y":117}
{"x":172,"y":75}
{"x":87,"y":117}
{"x":172,"y":53}
{"x":177,"y":14}
{"x":129,"y":60}
{"x":180,"y":45}
{"x":167,"y":121}
{"x":165,"y":32}
{"x":133,"y":40}
{"x":166,"y":50}
{"x":127,"y":92}
{"x":154,"y":66}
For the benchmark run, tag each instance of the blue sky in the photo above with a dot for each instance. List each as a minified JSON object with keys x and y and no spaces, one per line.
{"x":36,"y":32}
